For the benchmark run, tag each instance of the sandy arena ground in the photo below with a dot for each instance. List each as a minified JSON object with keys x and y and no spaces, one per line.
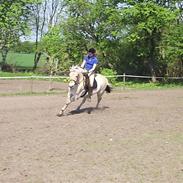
{"x":135,"y":137}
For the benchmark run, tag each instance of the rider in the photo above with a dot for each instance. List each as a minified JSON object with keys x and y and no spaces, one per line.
{"x":89,"y":64}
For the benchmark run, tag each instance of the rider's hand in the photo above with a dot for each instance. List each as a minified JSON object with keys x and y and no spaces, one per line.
{"x":85,"y":71}
{"x":90,"y":72}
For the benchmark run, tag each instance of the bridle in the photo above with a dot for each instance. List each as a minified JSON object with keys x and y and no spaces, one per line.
{"x":76,"y":81}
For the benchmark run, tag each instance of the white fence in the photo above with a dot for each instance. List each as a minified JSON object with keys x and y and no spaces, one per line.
{"x":146,"y":77}
{"x":30,"y":84}
{"x":65,"y":77}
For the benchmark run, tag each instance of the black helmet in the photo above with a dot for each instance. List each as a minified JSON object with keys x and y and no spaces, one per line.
{"x":92,"y":50}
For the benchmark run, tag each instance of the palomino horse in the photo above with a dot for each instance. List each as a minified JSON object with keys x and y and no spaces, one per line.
{"x":77,"y":87}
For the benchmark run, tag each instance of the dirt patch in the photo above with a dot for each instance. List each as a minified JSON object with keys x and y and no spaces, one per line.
{"x":135,"y":136}
{"x":27,"y":86}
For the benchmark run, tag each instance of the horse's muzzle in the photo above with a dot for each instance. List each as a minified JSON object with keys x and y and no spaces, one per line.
{"x":72,"y":84}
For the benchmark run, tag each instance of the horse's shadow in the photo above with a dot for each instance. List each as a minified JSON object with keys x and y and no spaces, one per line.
{"x":87,"y":110}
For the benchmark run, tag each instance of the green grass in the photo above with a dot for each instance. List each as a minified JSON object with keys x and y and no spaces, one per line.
{"x":10,"y":74}
{"x":144,"y":85}
{"x":22,"y":60}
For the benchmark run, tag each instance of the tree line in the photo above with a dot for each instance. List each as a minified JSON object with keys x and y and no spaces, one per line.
{"x":143,"y":37}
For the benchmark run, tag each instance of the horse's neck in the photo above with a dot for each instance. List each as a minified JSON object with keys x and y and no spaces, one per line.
{"x":81,"y":77}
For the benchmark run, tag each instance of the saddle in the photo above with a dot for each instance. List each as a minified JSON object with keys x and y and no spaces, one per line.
{"x":87,"y":84}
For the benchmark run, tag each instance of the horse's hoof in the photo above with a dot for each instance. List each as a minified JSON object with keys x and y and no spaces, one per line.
{"x":60,"y":114}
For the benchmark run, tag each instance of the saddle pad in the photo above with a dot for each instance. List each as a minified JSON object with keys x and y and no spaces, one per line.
{"x":94,"y":84}
{"x":86,"y":90}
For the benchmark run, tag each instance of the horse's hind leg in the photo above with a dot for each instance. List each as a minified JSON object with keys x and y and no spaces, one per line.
{"x":99,"y":98}
{"x":83,"y":101}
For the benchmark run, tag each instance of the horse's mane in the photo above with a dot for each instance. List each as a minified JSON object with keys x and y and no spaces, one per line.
{"x":76,"y":68}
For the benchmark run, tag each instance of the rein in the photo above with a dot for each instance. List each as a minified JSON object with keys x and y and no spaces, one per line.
{"x":77,"y":82}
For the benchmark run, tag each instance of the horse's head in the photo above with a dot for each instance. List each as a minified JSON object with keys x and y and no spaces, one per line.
{"x":75,"y":76}
{"x":74,"y":79}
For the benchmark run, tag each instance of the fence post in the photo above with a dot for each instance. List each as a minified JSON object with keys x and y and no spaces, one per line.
{"x":31,"y":84}
{"x":50,"y":83}
{"x":124,"y":80}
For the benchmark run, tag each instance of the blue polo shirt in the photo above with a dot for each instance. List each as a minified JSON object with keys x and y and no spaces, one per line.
{"x":90,"y":61}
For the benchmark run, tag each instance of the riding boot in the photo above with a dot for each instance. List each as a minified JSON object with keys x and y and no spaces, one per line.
{"x":90,"y":92}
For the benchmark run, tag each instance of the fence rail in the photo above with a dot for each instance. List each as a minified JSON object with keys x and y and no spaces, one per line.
{"x":34,"y":77}
{"x":66,"y":77}
{"x":36,"y":84}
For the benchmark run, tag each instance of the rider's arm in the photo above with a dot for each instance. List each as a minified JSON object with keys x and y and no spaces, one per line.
{"x":83,"y":64}
{"x":93,"y":68}
{"x":94,"y":65}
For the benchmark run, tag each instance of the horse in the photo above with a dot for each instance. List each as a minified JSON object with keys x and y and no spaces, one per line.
{"x":77,"y":87}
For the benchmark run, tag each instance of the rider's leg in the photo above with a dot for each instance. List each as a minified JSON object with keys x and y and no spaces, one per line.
{"x":91,"y":80}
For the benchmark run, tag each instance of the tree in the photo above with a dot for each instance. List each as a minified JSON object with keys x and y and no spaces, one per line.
{"x":147,"y":22}
{"x":50,"y":47}
{"x":128,"y":34}
{"x":46,"y":14}
{"x":91,"y":23}
{"x":13,"y":23}
{"x":172,"y":48}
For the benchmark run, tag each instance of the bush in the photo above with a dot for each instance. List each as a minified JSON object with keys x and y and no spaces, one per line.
{"x":7,"y":68}
{"x":109,"y":72}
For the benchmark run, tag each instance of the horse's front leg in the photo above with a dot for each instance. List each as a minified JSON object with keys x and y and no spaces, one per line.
{"x":61,"y":113}
{"x":69,"y":100}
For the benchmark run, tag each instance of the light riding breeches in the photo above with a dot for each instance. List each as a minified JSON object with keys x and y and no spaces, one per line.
{"x":91,"y":78}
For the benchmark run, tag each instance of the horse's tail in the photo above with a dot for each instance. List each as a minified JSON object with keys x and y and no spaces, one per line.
{"x":108,"y":89}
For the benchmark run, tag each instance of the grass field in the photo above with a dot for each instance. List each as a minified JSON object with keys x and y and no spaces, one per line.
{"x":22,"y":60}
